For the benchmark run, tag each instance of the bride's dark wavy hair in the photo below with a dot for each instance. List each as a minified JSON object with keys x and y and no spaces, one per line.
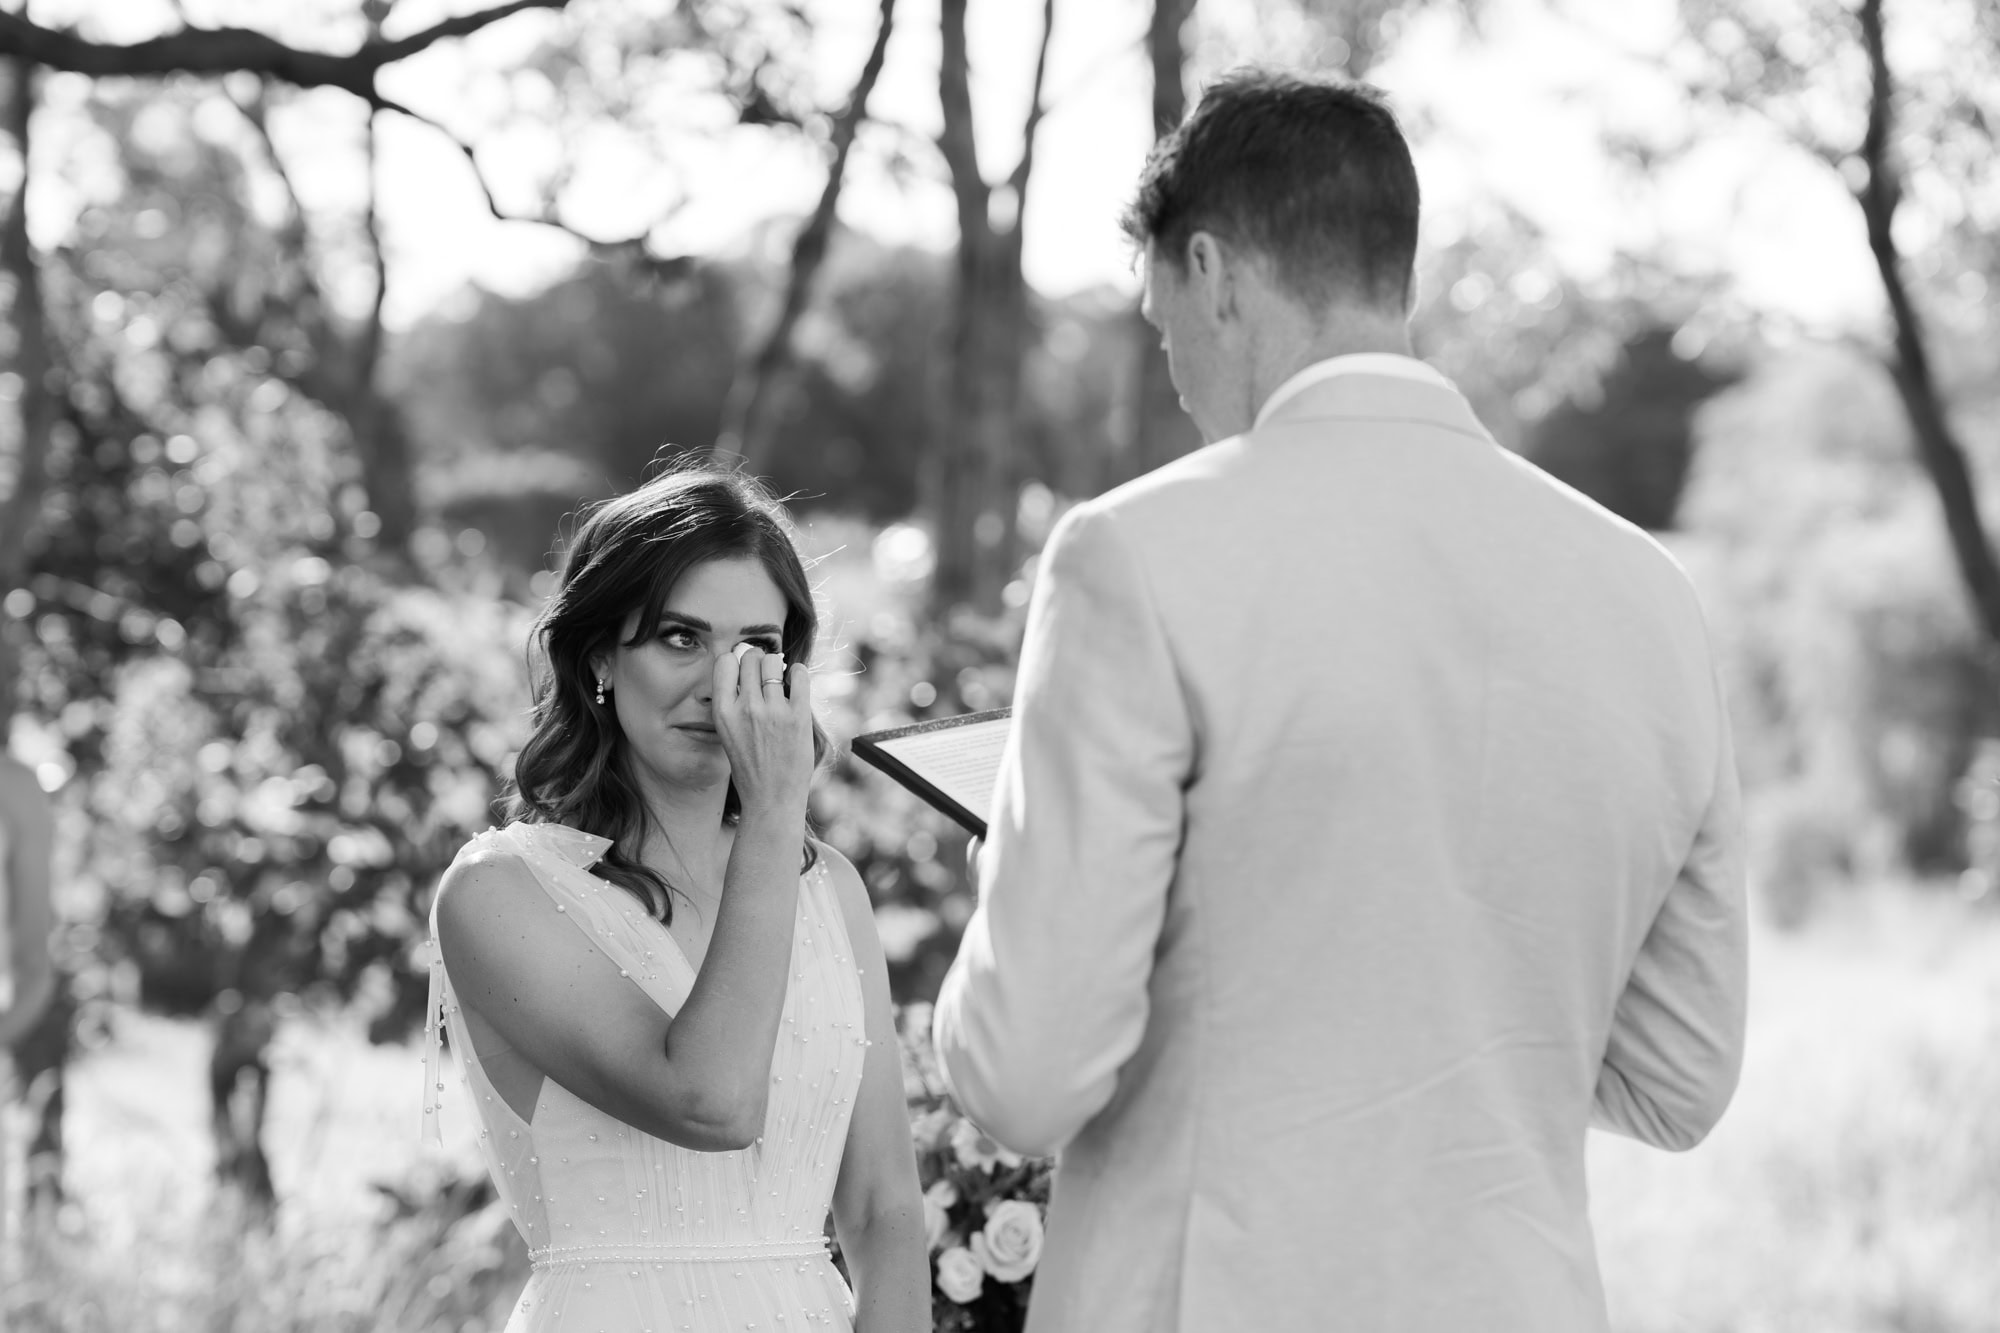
{"x":628,"y":554}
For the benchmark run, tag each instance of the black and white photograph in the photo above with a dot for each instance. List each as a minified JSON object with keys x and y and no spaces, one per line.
{"x":999,"y":666}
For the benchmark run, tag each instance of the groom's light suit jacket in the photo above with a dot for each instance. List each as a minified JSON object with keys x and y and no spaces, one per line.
{"x":1369,"y":828}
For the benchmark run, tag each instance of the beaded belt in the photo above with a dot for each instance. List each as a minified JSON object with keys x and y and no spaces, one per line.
{"x":560,"y":1256}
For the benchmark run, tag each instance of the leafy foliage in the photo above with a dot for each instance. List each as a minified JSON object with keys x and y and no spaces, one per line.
{"x":275,"y":737}
{"x":1852,"y":662}
{"x":896,"y":668}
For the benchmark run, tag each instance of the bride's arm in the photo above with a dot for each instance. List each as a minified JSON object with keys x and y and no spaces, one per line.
{"x":878,"y":1210}
{"x":700,"y":1078}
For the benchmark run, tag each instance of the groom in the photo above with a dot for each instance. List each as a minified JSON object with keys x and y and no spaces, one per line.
{"x":1369,"y":826}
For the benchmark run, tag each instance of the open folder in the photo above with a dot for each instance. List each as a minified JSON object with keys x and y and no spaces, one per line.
{"x":950,"y":761}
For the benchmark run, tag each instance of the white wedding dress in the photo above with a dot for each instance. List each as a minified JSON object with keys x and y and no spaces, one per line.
{"x":627,"y":1232}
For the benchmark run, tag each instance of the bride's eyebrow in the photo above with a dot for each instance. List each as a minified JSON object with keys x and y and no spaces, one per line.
{"x":702,"y":626}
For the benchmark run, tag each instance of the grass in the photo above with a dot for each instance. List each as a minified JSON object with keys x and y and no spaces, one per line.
{"x":147,"y":1246}
{"x":1854,"y":1186}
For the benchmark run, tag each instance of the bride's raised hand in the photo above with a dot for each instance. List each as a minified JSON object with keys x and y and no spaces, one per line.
{"x":763,"y":713}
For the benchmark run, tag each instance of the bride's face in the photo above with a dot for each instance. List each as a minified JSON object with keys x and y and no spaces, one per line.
{"x":662,"y":688}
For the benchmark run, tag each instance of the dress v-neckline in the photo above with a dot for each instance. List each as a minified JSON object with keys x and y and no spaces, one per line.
{"x":680,"y":951}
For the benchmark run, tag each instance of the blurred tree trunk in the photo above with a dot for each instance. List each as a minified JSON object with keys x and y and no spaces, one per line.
{"x":44,"y":1050}
{"x":341,"y":374}
{"x":381,"y":439}
{"x":1150,"y":428}
{"x":970,"y":473}
{"x":29,"y":356}
{"x":239,"y":1089}
{"x":749,"y":418}
{"x":1938,"y":445}
{"x":41,"y":1063}
{"x":341,"y":371}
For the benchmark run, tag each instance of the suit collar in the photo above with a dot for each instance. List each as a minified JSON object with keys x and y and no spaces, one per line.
{"x":1354,"y":363}
{"x":1373,"y":387}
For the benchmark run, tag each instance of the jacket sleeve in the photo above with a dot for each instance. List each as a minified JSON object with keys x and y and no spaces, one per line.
{"x":1047,"y":998}
{"x":1676,"y":1043}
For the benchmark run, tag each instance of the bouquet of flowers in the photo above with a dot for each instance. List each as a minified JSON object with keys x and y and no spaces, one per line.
{"x":983,"y":1205}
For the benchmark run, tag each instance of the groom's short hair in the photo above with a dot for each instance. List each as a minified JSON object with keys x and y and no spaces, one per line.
{"x":1310,"y":171}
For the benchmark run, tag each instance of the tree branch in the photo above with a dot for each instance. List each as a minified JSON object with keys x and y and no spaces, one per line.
{"x":296,"y":235}
{"x":226,"y":50}
{"x":1037,"y":108}
{"x":744,"y":425}
{"x":368,"y":351}
{"x":1942,"y":454}
{"x":955,"y":140}
{"x":631,"y":249}
{"x":368,"y":347}
{"x":463,"y":25}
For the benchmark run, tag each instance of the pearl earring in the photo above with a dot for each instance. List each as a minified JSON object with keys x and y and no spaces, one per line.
{"x":600,"y":689}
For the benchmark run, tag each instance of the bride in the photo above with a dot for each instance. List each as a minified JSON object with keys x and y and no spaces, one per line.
{"x":666,"y":997}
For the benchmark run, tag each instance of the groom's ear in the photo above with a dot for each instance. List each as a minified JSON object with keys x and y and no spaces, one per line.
{"x":1211,"y":276}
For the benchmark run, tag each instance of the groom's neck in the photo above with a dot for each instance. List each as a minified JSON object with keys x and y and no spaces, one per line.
{"x":1292,"y":344}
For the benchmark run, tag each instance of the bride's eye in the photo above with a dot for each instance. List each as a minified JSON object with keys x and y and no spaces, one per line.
{"x":678,"y":636}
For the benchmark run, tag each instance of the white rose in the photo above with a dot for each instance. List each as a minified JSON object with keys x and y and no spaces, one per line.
{"x":938,"y":1200}
{"x":976,"y":1150}
{"x":1011,"y":1245}
{"x":959,"y":1275}
{"x":928,"y":1128}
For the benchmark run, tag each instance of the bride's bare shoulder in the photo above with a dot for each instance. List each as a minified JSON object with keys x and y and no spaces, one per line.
{"x":486,"y":880}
